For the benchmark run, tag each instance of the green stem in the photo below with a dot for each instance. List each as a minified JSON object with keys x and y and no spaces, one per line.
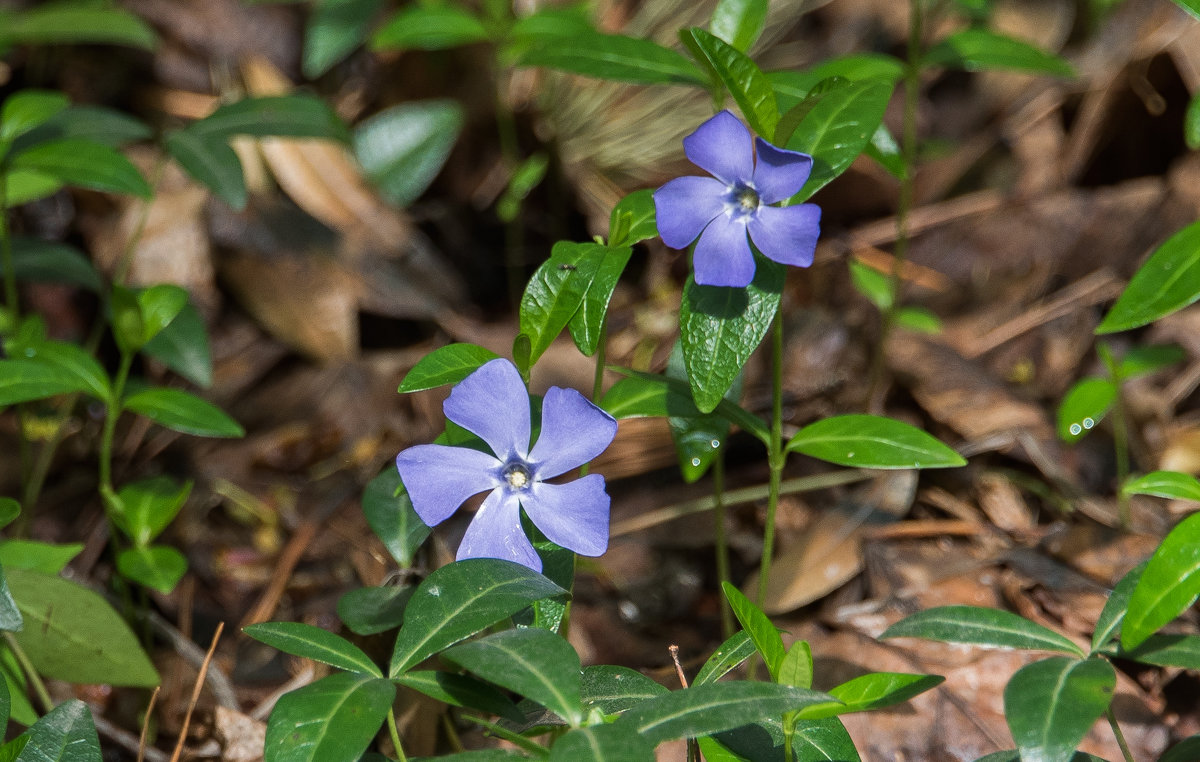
{"x":775,"y":455}
{"x":788,"y":754}
{"x":39,"y":688}
{"x":1116,"y":729}
{"x":112,"y":411}
{"x":718,"y":472}
{"x":395,"y":733}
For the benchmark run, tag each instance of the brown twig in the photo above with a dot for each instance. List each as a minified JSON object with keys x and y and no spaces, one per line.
{"x":187,"y":718}
{"x":146,"y":724}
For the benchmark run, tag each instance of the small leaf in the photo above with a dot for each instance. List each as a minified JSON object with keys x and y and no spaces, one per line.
{"x":331,"y":720}
{"x":797,"y":666}
{"x":739,"y":22}
{"x":1113,"y":613}
{"x":45,"y":557}
{"x":1169,"y":585}
{"x":287,"y":116}
{"x":212,"y":162}
{"x":158,"y":567}
{"x":979,"y":49}
{"x":637,"y":211}
{"x":183,"y":347}
{"x":871,"y":283}
{"x":1169,"y":484}
{"x":729,"y":656}
{"x":372,"y":610}
{"x":314,"y":643}
{"x":429,"y":27}
{"x":919,"y":320}
{"x":1051,"y":704}
{"x":392,"y":517}
{"x":764,"y":634}
{"x":25,"y":380}
{"x":181,"y":411}
{"x":1168,"y":281}
{"x":74,"y":23}
{"x":403,"y":148}
{"x":616,"y":57}
{"x":870,"y":441}
{"x":1140,"y":361}
{"x":84,"y":164}
{"x":873,"y":691}
{"x":38,"y":260}
{"x":601,"y":743}
{"x":26,"y":109}
{"x":745,"y":82}
{"x":1085,"y":404}
{"x":159,"y":305}
{"x":66,"y":734}
{"x":445,"y":365}
{"x":980,"y":626}
{"x":335,"y":27}
{"x":613,"y":689}
{"x":461,"y":690}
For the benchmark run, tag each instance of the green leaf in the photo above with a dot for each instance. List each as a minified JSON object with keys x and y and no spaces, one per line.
{"x":183,"y":347}
{"x":556,"y":291}
{"x":25,"y":380}
{"x":390,"y":512}
{"x":286,"y":116}
{"x":10,"y":614}
{"x":461,"y":690}
{"x":633,"y":219}
{"x":1085,"y":404}
{"x":1191,"y":6}
{"x":1169,"y":484}
{"x":75,"y":635}
{"x":22,"y":710}
{"x":11,"y":751}
{"x":314,"y":643}
{"x":38,"y":260}
{"x":797,"y":666}
{"x":461,"y":599}
{"x":1188,"y":749}
{"x":871,"y":283}
{"x":748,"y":86}
{"x":1113,"y":613}
{"x":1191,"y":121}
{"x":1169,"y":585}
{"x":616,"y":57}
{"x":1140,"y":361}
{"x":762,"y":741}
{"x":1167,"y":651}
{"x":66,"y":734}
{"x":532,"y":662}
{"x":792,"y":86}
{"x":26,"y":109}
{"x":764,"y":634}
{"x":613,"y":689}
{"x":95,"y":123}
{"x":127,"y":326}
{"x":836,"y":129}
{"x":721,"y":327}
{"x":212,"y":162}
{"x":84,"y":164}
{"x":601,"y":743}
{"x":371,"y":610}
{"x":728,"y":656}
{"x":159,"y":305}
{"x":144,"y":508}
{"x":884,"y":149}
{"x":524,"y":178}
{"x":72,"y":361}
{"x":712,"y":708}
{"x":976,"y":625}
{"x":979,"y":49}
{"x":1168,"y":281}
{"x":331,"y":720}
{"x":158,"y":567}
{"x":335,"y":27}
{"x":658,"y":396}
{"x":873,"y":691}
{"x":181,"y":411}
{"x":10,"y":509}
{"x":445,"y":365}
{"x":403,"y":148}
{"x":739,"y":22}
{"x":5,"y":707}
{"x":429,"y":27}
{"x":543,"y":26}
{"x":698,"y":438}
{"x":74,"y":23}
{"x":919,"y":320}
{"x":870,"y":441}
{"x":587,"y":324}
{"x":1051,"y":704}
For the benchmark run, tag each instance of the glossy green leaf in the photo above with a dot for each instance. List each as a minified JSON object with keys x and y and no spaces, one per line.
{"x":633,"y":219}
{"x":184,"y":348}
{"x":797,"y":666}
{"x":1051,"y":704}
{"x":445,"y":365}
{"x":871,"y":283}
{"x":22,"y":710}
{"x":601,"y":743}
{"x":613,"y":689}
{"x":331,"y":720}
{"x":74,"y":23}
{"x":874,"y":690}
{"x":1181,"y":651}
{"x":429,"y":27}
{"x":73,"y":634}
{"x":712,"y":708}
{"x":25,"y":185}
{"x":72,"y":361}
{"x":764,"y":634}
{"x":980,"y":49}
{"x":976,"y":625}
{"x":158,"y":567}
{"x":144,"y":508}
{"x":1140,"y":361}
{"x":741,"y":77}
{"x":159,"y":305}
{"x":1191,"y":121}
{"x":392,"y":517}
{"x":461,"y":599}
{"x":181,"y":411}
{"x":792,"y":85}
{"x":45,"y":557}
{"x":26,"y":109}
{"x":95,"y":123}
{"x":287,"y":116}
{"x":555,"y":292}
{"x":721,"y":327}
{"x":1113,"y":613}
{"x":837,"y":127}
{"x":1085,"y":404}
{"x":314,"y":643}
{"x":461,"y":690}
{"x":335,"y":27}
{"x":25,"y":380}
{"x":66,"y":734}
{"x":1169,"y":484}
{"x":1168,"y":281}
{"x":11,"y":751}
{"x":884,"y":149}
{"x":613,"y":56}
{"x":371,"y":610}
{"x":84,"y":164}
{"x":532,"y":662}
{"x":1187,"y":750}
{"x":870,"y":441}
{"x":212,"y":162}
{"x":739,"y":22}
{"x":729,"y":655}
{"x":762,"y":741}
{"x":1169,"y":585}
{"x":587,"y":324}
{"x":10,"y":614}
{"x":403,"y":148}
{"x":10,"y":509}
{"x":38,"y":260}
{"x":658,"y":396}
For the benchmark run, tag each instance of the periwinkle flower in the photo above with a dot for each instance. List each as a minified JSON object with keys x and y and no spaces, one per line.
{"x":493,"y":404}
{"x":735,"y":202}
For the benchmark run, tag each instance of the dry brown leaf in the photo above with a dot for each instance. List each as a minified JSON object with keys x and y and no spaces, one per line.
{"x":241,"y":737}
{"x":1004,"y":505}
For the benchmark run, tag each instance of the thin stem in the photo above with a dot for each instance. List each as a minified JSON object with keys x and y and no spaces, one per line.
{"x":39,"y":688}
{"x":1116,"y":729}
{"x":111,"y":413}
{"x":775,"y":455}
{"x":395,"y":733}
{"x":1121,"y":448}
{"x":121,"y":270}
{"x":718,"y":474}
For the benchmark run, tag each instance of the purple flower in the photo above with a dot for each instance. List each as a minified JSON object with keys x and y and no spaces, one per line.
{"x":735,"y":202}
{"x":492,"y":403}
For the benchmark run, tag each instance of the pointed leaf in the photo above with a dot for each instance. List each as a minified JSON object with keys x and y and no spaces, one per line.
{"x":1168,"y":651}
{"x":729,"y":656}
{"x":980,"y":49}
{"x":1169,"y":484}
{"x":741,"y":77}
{"x":403,"y":148}
{"x":874,"y":690}
{"x":764,"y":634}
{"x":45,"y":557}
{"x":1113,"y":613}
{"x":335,"y":28}
{"x":38,"y":260}
{"x":555,"y":293}
{"x":1085,"y":404}
{"x":812,"y":741}
{"x":158,"y":567}
{"x":637,"y":211}
{"x":587,"y":324}
{"x":25,"y":185}
{"x":613,"y":689}
{"x":288,"y":116}
{"x":66,"y":734}
{"x":980,"y":626}
{"x":331,"y":720}
{"x":739,"y":22}
{"x":869,"y":441}
{"x":614,"y":56}
{"x":797,"y":666}
{"x":181,"y":411}
{"x":445,"y":365}
{"x":1168,"y":281}
{"x":601,"y":743}
{"x":144,"y":508}
{"x":84,"y":164}
{"x":70,"y":23}
{"x":792,"y":85}
{"x":390,"y":512}
{"x":212,"y":162}
{"x":1140,"y":361}
{"x":183,"y":347}
{"x":72,"y":361}
{"x":461,"y":690}
{"x":1169,"y":585}
{"x":95,"y":123}
{"x":1050,"y":705}
{"x":429,"y":27}
{"x":26,"y":109}
{"x":372,"y":610}
{"x":25,"y":380}
{"x":9,"y":511}
{"x":314,"y":643}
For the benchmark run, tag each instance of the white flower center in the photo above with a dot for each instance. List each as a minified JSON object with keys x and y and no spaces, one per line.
{"x":746,"y":199}
{"x":517,"y":475}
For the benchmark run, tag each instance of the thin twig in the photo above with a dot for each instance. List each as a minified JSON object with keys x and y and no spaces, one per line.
{"x":187,"y":717}
{"x":146,"y":724}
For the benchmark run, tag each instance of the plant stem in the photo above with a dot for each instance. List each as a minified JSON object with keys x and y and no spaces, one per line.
{"x":718,"y":472}
{"x":39,"y":688}
{"x":395,"y":733}
{"x":1116,"y":728}
{"x":775,"y":454}
{"x":112,"y":411}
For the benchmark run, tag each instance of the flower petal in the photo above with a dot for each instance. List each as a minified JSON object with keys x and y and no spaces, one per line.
{"x":722,"y":256}
{"x":495,"y":532}
{"x":787,"y":235}
{"x":573,"y":432}
{"x":573,"y":515}
{"x":684,"y":206}
{"x":493,"y":404}
{"x":439,"y":478}
{"x":722,"y":147}
{"x":779,"y":173}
